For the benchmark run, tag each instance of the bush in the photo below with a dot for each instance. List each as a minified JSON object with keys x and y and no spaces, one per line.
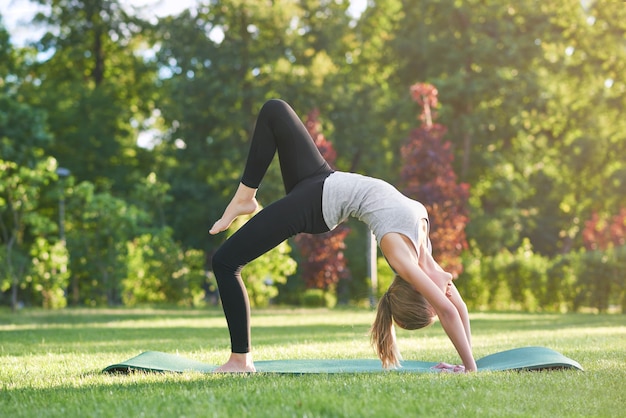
{"x":318,"y":298}
{"x":507,"y":280}
{"x":529,"y":281}
{"x":385,"y":276}
{"x":159,"y":271}
{"x":601,"y":279}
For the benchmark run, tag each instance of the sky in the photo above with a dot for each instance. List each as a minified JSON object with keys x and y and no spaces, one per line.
{"x":16,"y":14}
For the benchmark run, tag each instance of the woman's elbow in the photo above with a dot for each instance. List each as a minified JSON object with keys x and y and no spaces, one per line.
{"x":447,"y":311}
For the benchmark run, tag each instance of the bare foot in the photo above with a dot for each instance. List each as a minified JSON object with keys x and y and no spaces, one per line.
{"x":243,"y":203}
{"x":237,"y":363}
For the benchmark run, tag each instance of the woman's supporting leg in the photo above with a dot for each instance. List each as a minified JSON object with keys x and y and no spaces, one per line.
{"x":299,"y":211}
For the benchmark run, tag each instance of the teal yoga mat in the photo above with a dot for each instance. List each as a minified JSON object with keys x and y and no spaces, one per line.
{"x":525,"y":358}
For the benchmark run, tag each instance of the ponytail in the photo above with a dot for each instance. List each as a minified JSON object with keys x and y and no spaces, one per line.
{"x":409,"y":309}
{"x":383,"y":335}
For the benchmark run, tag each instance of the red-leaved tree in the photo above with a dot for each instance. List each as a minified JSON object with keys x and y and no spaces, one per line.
{"x":600,"y":234}
{"x":323,"y":263}
{"x":428,"y":177}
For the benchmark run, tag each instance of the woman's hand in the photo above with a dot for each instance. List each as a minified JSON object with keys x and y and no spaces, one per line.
{"x":450,"y":368}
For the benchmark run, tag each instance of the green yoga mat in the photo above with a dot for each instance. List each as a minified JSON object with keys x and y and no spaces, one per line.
{"x":525,"y":358}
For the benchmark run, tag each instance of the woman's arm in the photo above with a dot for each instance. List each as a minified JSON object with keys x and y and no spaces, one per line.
{"x":461,"y":307}
{"x":403,"y":259}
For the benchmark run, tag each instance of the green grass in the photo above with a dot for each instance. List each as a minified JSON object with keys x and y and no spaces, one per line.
{"x":51,"y":362}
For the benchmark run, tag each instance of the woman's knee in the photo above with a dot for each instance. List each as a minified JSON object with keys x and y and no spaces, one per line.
{"x":220,"y":264}
{"x":273,"y":106}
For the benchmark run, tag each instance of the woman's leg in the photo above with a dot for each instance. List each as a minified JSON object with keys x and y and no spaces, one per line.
{"x":299,"y":211}
{"x":303,"y":170}
{"x":277,"y":127}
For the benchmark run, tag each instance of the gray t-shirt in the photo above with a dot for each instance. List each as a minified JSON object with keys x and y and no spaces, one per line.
{"x":377,"y":203}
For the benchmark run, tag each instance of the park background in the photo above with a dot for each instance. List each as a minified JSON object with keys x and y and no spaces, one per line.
{"x":123,"y":136}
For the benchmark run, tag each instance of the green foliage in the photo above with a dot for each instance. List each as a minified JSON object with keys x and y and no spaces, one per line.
{"x":562,"y":287}
{"x":21,"y":189}
{"x":95,"y":87}
{"x":23,"y":135}
{"x":25,"y":176}
{"x":99,"y":227}
{"x":152,"y":195}
{"x":48,"y":276}
{"x":601,"y":278}
{"x":529,"y":281}
{"x":160,"y":271}
{"x":385,"y":276}
{"x":533,"y":101}
{"x":318,"y":298}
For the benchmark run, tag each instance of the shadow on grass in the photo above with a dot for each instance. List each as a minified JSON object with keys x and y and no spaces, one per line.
{"x":506,"y":322}
{"x":146,"y":337}
{"x":122,"y":331}
{"x":71,"y":316}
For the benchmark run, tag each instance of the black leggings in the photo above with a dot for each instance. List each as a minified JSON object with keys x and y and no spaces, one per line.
{"x":303,"y":170}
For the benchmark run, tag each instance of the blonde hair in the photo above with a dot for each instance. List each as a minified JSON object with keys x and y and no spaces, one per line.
{"x":406,"y":307}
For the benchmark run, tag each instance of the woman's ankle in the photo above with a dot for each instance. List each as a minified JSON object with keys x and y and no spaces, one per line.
{"x":243,"y":203}
{"x":245,"y":193}
{"x":237,"y":363}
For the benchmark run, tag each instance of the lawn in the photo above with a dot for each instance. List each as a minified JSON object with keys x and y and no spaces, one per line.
{"x":51,"y":362}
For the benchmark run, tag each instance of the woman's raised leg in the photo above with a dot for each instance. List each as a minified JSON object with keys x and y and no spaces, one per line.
{"x":278,"y":127}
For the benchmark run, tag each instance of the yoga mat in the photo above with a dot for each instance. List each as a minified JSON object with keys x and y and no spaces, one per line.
{"x":525,"y":358}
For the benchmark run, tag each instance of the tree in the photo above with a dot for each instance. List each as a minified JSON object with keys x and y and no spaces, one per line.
{"x":481,"y":57}
{"x":533,"y":99}
{"x":600,"y":234}
{"x":214,"y":62}
{"x":428,"y":177}
{"x":23,"y":133}
{"x":604,"y":260}
{"x":96,"y":88}
{"x":532,"y":104}
{"x":21,"y":188}
{"x":323,"y":263}
{"x":582,"y":170}
{"x":99,"y":228}
{"x":219,"y":62}
{"x":9,"y":63}
{"x":26,"y":175}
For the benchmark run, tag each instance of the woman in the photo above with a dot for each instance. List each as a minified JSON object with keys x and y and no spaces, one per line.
{"x":317,"y":200}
